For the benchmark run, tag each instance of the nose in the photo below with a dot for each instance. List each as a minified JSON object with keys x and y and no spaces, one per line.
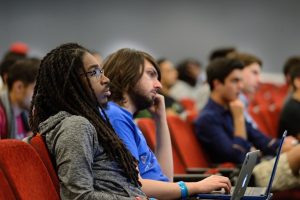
{"x":240,"y":85}
{"x":258,"y":79}
{"x":157,"y":84}
{"x":104,"y":80}
{"x":175,"y":74}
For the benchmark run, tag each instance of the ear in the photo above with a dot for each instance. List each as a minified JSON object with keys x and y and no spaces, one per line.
{"x":5,"y":78}
{"x":216,"y":83}
{"x":297,"y":83}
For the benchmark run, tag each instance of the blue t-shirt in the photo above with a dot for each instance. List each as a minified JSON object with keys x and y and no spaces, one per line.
{"x":123,"y":123}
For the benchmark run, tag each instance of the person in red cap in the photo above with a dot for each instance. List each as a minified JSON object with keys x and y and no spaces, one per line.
{"x":19,"y":48}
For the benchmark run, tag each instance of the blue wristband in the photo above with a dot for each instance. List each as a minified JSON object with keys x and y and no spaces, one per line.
{"x":183,"y":189}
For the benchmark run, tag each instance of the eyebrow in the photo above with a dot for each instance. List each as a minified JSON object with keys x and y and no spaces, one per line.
{"x":237,"y":79}
{"x":153,"y":70}
{"x":93,"y":66}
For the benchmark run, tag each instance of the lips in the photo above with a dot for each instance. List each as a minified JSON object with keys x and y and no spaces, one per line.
{"x":107,"y":92}
{"x":154,"y":92}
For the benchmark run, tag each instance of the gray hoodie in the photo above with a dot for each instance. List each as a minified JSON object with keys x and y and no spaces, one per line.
{"x":83,"y":167}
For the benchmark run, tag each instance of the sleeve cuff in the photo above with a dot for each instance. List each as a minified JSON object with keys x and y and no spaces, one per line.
{"x":241,"y":144}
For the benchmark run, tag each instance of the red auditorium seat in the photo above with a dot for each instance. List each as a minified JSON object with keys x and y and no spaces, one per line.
{"x":38,"y":144}
{"x":287,"y":195}
{"x":25,"y":171}
{"x":187,"y":145}
{"x":185,"y":141}
{"x":6,"y":192}
{"x":188,"y":104}
{"x":148,"y":128}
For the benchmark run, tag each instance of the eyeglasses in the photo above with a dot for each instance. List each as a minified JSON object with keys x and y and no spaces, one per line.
{"x":94,"y":73}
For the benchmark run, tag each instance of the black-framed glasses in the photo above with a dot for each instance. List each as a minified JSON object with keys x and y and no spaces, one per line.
{"x":96,"y":72}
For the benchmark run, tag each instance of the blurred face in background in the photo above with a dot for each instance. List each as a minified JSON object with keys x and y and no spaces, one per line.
{"x":26,"y":96}
{"x":194,"y":70}
{"x":232,"y":86}
{"x":168,"y":74}
{"x":251,"y":78}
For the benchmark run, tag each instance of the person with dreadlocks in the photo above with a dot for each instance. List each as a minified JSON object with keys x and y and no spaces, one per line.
{"x":90,"y":159}
{"x":135,"y":81}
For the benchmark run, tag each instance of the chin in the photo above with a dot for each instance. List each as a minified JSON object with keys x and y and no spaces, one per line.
{"x":234,"y":98}
{"x":104,"y":105}
{"x":103,"y":102}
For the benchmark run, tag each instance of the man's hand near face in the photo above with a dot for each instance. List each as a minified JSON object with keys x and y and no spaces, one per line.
{"x":237,"y":110}
{"x":163,"y":148}
{"x":158,"y":109}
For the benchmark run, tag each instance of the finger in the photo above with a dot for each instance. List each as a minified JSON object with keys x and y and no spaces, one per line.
{"x":225,"y":182}
{"x":226,"y":187}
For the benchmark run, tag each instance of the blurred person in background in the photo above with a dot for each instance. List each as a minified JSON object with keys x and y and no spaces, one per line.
{"x":168,"y":78}
{"x":17,"y":51}
{"x":15,"y":101}
{"x":223,"y":119}
{"x":221,"y":53}
{"x":290,"y":63}
{"x":191,"y":83}
{"x":250,"y":79}
{"x":290,"y":115}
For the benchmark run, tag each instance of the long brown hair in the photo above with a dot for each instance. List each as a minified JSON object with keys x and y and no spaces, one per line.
{"x":124,"y":68}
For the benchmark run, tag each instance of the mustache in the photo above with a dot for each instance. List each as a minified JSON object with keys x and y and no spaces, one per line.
{"x":156,"y":90}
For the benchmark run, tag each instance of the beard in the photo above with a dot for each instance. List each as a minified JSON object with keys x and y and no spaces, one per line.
{"x":140,"y":100}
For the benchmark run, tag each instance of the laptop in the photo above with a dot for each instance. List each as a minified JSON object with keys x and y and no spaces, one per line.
{"x":241,"y":191}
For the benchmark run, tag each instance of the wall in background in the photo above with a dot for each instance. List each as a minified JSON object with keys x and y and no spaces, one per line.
{"x":173,"y":29}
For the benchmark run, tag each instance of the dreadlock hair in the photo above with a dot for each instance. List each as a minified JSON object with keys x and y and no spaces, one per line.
{"x":60,"y":88}
{"x":125,"y":68}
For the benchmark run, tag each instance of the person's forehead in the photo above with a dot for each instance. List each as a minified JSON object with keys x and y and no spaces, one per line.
{"x":149,"y":65}
{"x":167,"y":65}
{"x":236,"y":73}
{"x":253,"y":66}
{"x":89,"y":61}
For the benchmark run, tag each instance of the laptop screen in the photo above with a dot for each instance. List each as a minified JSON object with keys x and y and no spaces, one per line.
{"x":275,"y":164}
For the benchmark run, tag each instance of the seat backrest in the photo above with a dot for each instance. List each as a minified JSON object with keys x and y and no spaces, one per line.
{"x":188,"y":104}
{"x":148,"y":128}
{"x":185,"y":141}
{"x":25,"y":171}
{"x":39,"y":145}
{"x":5,"y":189}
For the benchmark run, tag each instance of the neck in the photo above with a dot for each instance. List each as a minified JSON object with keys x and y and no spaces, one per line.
{"x":14,"y":104}
{"x":249,"y":95}
{"x":218,"y":99}
{"x":296,"y":95}
{"x":128,"y":104}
